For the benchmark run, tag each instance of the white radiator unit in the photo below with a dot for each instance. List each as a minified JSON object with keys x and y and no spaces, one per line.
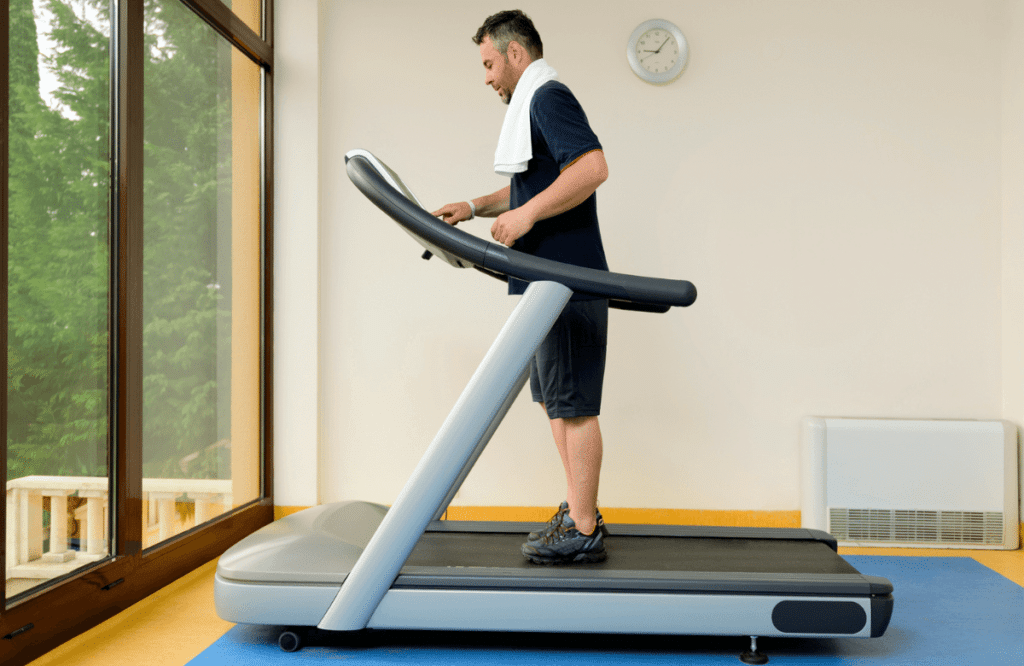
{"x":925,"y":484}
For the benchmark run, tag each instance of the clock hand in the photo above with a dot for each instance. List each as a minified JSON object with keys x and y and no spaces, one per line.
{"x":659,"y":48}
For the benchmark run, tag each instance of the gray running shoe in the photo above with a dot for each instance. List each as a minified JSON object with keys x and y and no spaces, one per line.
{"x":556,"y":520}
{"x":566,"y":545}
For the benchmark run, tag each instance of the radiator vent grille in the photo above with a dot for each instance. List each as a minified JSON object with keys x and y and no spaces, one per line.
{"x":917,"y":527}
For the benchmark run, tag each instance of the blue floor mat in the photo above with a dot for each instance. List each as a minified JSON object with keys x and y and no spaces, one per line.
{"x":948,"y":610}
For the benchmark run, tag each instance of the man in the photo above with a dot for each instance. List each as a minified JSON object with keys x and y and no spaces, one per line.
{"x":556,"y":164}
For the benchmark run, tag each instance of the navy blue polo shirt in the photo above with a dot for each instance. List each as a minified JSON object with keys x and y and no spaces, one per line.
{"x":561,"y":135}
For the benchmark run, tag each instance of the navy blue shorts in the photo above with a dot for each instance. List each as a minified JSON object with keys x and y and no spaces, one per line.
{"x":567,"y":372}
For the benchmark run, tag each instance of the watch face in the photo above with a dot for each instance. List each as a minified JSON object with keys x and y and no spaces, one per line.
{"x":657,"y":50}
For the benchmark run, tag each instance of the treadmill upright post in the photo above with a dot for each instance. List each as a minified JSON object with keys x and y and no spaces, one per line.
{"x":473,"y":419}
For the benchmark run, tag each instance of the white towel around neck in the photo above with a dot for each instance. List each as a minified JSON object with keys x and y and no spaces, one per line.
{"x":514,"y":146}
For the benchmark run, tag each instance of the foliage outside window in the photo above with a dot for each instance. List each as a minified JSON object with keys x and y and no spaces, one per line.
{"x":59,"y":269}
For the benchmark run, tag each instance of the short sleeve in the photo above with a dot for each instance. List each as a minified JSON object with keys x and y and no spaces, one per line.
{"x":560,"y":120}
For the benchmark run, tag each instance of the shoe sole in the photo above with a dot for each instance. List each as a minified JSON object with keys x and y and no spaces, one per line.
{"x":581,"y":558}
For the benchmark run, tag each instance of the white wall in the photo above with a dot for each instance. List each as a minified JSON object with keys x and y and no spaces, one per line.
{"x":296,"y":254}
{"x":1013,"y":220}
{"x":833,"y":176}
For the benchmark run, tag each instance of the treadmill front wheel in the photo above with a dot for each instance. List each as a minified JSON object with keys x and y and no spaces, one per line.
{"x":289,"y":641}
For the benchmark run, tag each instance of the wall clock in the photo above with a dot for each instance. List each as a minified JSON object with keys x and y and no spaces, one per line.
{"x":657,"y":51}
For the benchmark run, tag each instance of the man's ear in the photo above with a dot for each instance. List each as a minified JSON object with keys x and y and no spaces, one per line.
{"x":518,"y":54}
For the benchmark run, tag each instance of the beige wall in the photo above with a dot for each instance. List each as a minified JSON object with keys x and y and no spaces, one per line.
{"x":841,"y":180}
{"x":296,"y":394}
{"x":1012,"y":190}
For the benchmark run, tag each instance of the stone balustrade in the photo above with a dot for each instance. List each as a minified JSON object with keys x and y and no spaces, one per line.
{"x":161,"y":497}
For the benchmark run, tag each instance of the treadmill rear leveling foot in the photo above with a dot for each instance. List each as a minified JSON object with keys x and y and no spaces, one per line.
{"x":753,"y":655}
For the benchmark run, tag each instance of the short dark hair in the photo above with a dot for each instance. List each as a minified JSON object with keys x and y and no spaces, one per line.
{"x":511,"y":26}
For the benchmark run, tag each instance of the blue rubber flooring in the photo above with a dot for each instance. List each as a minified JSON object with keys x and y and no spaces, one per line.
{"x":948,"y":610}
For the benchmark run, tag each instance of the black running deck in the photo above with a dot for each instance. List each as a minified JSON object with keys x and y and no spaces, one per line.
{"x":490,"y":559}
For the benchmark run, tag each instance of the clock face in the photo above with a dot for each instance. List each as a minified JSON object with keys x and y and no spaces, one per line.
{"x":657,"y":50}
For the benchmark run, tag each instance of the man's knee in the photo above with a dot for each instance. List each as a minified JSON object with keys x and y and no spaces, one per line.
{"x":580,"y":421}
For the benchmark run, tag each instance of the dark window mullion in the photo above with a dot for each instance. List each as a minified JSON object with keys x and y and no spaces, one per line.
{"x":224,"y":21}
{"x":267,"y":275}
{"x":267,"y":360}
{"x":127,"y":129}
{"x":5,"y":12}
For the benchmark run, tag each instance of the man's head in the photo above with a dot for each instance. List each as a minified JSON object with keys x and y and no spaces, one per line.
{"x":508,"y":44}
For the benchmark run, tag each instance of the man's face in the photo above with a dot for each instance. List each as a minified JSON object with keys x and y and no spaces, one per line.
{"x":501,"y":74}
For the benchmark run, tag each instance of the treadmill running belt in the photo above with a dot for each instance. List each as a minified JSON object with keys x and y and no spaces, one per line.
{"x":635,"y":553}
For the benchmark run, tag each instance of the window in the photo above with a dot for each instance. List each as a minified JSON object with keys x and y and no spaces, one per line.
{"x":58,"y":291}
{"x":134,"y":241}
{"x":201,"y":264}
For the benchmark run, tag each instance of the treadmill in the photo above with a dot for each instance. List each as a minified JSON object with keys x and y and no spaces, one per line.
{"x":350,"y":566}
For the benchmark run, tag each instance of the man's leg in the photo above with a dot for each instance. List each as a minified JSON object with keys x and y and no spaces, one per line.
{"x":558,"y":433}
{"x":580,"y":447}
{"x":583,"y":450}
{"x":578,"y":440}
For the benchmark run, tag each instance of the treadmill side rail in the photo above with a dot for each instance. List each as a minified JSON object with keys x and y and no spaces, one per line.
{"x":624,"y":612}
{"x":620,"y":581}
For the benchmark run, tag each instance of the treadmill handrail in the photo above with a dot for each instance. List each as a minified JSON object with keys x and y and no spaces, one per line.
{"x":495,"y":258}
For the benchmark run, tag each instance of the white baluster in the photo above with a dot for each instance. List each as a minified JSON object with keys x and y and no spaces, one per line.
{"x":95,"y":524}
{"x":31,"y":523}
{"x":165,"y":513}
{"x":58,"y":527}
{"x":149,"y":517}
{"x":13,"y":497}
{"x":202,"y":507}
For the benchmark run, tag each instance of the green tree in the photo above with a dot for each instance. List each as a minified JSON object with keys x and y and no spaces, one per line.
{"x":59,"y":270}
{"x":187,"y":255}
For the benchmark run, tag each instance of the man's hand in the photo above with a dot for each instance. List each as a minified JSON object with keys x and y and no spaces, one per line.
{"x":490,"y":205}
{"x":511,"y":226}
{"x":453,"y":213}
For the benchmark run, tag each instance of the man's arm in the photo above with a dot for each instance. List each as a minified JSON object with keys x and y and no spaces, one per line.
{"x":490,"y":205}
{"x":572,"y":187}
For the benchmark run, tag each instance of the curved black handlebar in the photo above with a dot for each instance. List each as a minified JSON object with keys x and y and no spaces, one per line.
{"x":461,"y":249}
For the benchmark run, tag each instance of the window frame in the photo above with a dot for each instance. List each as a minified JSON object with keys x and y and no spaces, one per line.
{"x":58,"y":612}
